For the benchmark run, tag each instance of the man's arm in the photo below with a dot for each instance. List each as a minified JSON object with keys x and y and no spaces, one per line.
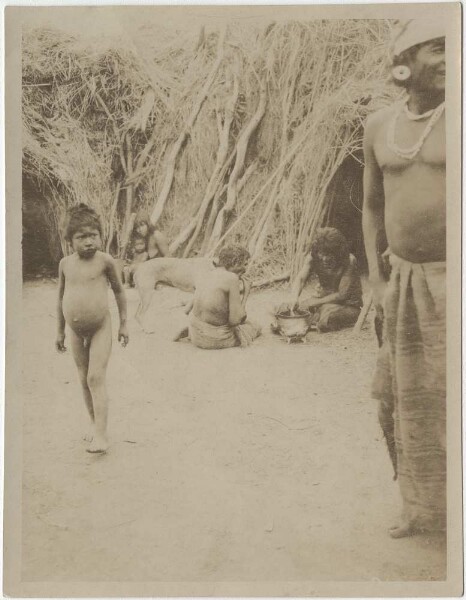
{"x":120,"y":298}
{"x":60,"y":341}
{"x":373,"y":221}
{"x":300,"y":281}
{"x":237,"y":314}
{"x":344,"y":287}
{"x":162,"y":243}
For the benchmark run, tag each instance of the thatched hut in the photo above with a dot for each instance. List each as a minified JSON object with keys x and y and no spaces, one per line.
{"x":249,"y":133}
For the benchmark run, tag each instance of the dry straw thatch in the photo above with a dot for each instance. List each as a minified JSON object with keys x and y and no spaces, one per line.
{"x":233,"y":135}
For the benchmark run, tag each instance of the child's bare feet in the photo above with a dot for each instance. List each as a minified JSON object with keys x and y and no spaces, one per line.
{"x":99,"y":444}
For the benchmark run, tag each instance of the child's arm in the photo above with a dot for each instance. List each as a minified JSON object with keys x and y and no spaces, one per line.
{"x":301,"y":279}
{"x":120,"y":298}
{"x":60,"y":341}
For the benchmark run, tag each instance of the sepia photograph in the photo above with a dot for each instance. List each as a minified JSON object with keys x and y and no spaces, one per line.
{"x":227,"y":323}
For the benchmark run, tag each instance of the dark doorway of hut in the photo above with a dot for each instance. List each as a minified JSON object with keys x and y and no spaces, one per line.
{"x":37,"y":256}
{"x":345,"y":205}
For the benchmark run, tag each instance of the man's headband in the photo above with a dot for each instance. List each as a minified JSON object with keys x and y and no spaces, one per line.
{"x":412,"y":32}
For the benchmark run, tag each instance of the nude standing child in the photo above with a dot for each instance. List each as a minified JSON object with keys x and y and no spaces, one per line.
{"x":83,"y":305}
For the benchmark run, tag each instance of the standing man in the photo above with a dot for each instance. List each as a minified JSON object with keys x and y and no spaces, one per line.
{"x":404,"y":207}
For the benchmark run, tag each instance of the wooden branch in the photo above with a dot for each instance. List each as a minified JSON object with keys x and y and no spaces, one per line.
{"x":268,"y":181}
{"x":116,"y":131}
{"x":129,"y":188}
{"x":221,"y":157}
{"x":256,"y":243}
{"x":213,"y":216}
{"x":241,"y":149}
{"x":127,"y":235}
{"x":188,"y":230}
{"x":170,"y":167}
{"x":258,"y":237}
{"x":270,"y":280}
{"x":112,"y":216}
{"x":363,"y":314}
{"x":216,"y":205}
{"x":145,"y":151}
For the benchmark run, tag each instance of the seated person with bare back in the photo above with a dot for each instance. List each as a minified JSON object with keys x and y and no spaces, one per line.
{"x":339,"y":298}
{"x":218,"y":315}
{"x":139,"y":255}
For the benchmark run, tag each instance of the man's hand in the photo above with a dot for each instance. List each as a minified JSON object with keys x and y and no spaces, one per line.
{"x":60,"y":343}
{"x":123,"y":336}
{"x":379,"y":288}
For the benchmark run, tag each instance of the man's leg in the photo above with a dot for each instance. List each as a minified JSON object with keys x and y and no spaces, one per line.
{"x":99,"y":353}
{"x":80,"y":351}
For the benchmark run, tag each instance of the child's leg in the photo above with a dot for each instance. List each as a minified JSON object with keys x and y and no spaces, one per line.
{"x":80,"y":352}
{"x":99,"y":353}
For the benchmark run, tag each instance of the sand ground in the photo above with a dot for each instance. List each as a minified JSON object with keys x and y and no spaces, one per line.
{"x":257,"y":464}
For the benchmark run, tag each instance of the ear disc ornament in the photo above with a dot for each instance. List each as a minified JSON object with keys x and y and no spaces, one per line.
{"x":401,"y":72}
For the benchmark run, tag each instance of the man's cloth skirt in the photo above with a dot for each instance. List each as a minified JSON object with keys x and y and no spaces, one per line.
{"x":410,"y":380}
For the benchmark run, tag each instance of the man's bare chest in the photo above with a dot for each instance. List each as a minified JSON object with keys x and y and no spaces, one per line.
{"x":406,"y":135}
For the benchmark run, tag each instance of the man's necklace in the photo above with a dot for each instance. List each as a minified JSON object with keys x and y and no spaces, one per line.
{"x":410,"y":153}
{"x":413,"y":116}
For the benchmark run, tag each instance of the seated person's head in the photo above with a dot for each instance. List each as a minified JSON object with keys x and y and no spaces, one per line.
{"x":234,"y":258}
{"x":142,"y":227}
{"x":139,"y":245}
{"x":83,"y":230}
{"x":330,"y":248}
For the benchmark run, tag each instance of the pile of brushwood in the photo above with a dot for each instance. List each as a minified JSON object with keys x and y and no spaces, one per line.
{"x":231,"y":135}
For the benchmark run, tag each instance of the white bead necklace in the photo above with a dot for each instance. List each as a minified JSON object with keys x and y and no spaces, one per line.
{"x":413,"y":116}
{"x":410,"y":153}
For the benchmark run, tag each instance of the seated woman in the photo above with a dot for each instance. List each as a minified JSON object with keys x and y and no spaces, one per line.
{"x":156,"y":241}
{"x":339,"y":298}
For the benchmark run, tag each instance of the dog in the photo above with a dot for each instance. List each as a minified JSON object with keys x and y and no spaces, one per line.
{"x":180,"y":273}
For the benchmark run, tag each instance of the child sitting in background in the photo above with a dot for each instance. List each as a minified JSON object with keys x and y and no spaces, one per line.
{"x":139,"y":255}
